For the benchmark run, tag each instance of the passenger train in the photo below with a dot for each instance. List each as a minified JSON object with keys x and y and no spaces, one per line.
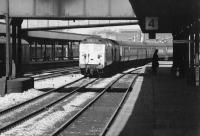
{"x":98,"y":55}
{"x":95,"y":55}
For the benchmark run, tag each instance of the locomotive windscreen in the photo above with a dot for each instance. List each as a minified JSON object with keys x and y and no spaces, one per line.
{"x":91,"y":53}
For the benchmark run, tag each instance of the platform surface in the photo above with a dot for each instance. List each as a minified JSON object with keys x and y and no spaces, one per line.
{"x":159,"y":105}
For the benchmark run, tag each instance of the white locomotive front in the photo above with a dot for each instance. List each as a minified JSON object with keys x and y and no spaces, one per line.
{"x":91,"y":56}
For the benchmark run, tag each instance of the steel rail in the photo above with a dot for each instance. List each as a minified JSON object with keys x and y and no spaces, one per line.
{"x":56,"y":74}
{"x":87,"y":106}
{"x":52,"y":73}
{"x":36,"y":98}
{"x":109,"y":123}
{"x":52,"y":70}
{"x":36,"y":112}
{"x":57,"y":70}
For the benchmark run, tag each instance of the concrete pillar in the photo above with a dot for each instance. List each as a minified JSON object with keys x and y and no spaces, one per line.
{"x":191,"y":39}
{"x":70,"y":51}
{"x":62,"y":52}
{"x":68,"y":48}
{"x":180,"y":54}
{"x":191,"y":57}
{"x":14,"y":43}
{"x":8,"y":48}
{"x":19,"y":49}
{"x":197,"y":58}
{"x":16,"y":47}
{"x":184,"y":55}
{"x":52,"y":45}
{"x":35,"y":43}
{"x":175,"y":53}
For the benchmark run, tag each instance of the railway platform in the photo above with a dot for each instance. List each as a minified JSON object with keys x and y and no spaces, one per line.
{"x":159,"y":105}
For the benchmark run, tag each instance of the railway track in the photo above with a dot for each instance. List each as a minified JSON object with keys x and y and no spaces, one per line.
{"x":71,"y":123}
{"x":48,"y":71}
{"x":84,"y":121}
{"x":17,"y":114}
{"x":3,"y":111}
{"x":53,"y":73}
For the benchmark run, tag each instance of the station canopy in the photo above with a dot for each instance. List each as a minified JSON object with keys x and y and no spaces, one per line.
{"x":166,"y":15}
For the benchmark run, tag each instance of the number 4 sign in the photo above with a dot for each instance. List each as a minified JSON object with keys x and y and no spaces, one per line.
{"x":151,"y":23}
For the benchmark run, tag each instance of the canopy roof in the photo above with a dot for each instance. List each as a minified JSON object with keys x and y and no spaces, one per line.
{"x":173,"y":15}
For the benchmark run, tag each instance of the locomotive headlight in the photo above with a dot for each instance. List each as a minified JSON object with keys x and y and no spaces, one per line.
{"x":99,"y":56}
{"x":84,"y":55}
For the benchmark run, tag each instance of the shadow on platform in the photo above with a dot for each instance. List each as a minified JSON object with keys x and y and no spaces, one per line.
{"x":166,"y":106}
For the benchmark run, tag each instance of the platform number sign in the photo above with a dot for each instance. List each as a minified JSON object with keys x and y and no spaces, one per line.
{"x":151,"y":23}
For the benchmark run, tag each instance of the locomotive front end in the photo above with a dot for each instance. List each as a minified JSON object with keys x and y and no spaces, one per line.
{"x":91,"y":58}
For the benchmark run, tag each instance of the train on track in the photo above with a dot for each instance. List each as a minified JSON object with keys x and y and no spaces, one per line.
{"x":93,"y":54}
{"x":98,"y":55}
{"x":41,"y":50}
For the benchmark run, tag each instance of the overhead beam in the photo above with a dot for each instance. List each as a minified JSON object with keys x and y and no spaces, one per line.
{"x":76,"y":18}
{"x":66,"y":9}
{"x":78,"y":26}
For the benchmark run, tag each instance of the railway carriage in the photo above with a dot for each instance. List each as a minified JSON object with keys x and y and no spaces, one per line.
{"x":96,"y":55}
